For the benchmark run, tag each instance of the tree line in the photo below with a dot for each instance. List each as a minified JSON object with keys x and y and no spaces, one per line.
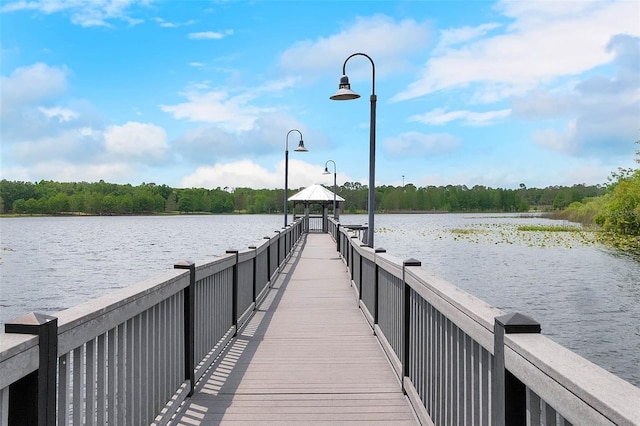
{"x":617,"y":211}
{"x":103,"y":198}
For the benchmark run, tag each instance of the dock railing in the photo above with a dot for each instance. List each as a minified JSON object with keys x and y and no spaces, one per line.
{"x":132,"y":356}
{"x":461,"y":361}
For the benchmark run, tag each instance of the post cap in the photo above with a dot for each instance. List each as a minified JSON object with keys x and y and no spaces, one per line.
{"x":518,"y":323}
{"x":183,"y":264}
{"x":381,"y":250}
{"x":28,"y":324}
{"x":412,"y":262}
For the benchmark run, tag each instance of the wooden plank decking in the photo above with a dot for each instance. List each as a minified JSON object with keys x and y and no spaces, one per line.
{"x":308,"y":356}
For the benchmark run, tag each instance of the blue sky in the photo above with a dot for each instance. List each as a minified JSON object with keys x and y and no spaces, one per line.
{"x":204,"y":93}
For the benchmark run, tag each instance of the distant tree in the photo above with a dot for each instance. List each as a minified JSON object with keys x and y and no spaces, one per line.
{"x":59,"y":203}
{"x":185,"y":203}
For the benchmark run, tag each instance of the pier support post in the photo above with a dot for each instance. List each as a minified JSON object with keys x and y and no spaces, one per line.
{"x":234,"y":292}
{"x":406,"y":318}
{"x":508,"y":393}
{"x":32,"y":399}
{"x":189,"y":323}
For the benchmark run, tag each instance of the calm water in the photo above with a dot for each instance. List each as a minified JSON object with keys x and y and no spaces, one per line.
{"x":585,"y":296}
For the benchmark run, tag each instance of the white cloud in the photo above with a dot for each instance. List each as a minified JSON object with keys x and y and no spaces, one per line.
{"x":83,"y":13}
{"x":441,"y":116}
{"x":386,"y":41}
{"x":138,"y":140}
{"x":62,"y":171}
{"x":230,"y":112}
{"x":602,"y":112}
{"x":168,"y":24}
{"x":66,"y":145}
{"x":32,"y":84}
{"x":546,"y":40}
{"x":555,"y":140}
{"x":210,"y":35}
{"x":414,"y":144}
{"x":454,"y":36}
{"x":246,"y":173}
{"x":62,"y":114}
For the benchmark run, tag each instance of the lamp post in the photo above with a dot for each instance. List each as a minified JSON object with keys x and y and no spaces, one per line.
{"x":326,"y":172}
{"x":345,"y":93}
{"x":300,"y":148}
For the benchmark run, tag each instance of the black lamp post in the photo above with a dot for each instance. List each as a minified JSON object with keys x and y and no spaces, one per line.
{"x":300,"y":148}
{"x":345,"y":93}
{"x":327,"y":172}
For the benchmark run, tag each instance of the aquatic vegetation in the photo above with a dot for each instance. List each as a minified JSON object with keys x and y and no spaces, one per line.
{"x":549,"y":228}
{"x":625,"y":243}
{"x":467,"y":231}
{"x":542,"y":236}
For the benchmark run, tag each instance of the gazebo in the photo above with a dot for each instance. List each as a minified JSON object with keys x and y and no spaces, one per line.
{"x":316,"y":194}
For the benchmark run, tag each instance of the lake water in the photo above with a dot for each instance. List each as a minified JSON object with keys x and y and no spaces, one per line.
{"x":585,"y":296}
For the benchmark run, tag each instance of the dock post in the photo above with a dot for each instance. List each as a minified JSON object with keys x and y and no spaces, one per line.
{"x":189,"y":323}
{"x":269,"y":273}
{"x":278,"y":244}
{"x":508,"y":393}
{"x":255,"y":275}
{"x":350,"y":262}
{"x":338,"y":238}
{"x":376,"y":288}
{"x":234,"y":292}
{"x":32,"y":399}
{"x":360,"y":275}
{"x":406,"y":318}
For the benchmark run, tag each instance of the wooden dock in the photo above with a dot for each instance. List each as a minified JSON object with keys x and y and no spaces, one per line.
{"x":307,"y":356}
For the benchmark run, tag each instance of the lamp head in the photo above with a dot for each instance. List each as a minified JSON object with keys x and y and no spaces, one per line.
{"x":301,"y":147}
{"x":326,"y":171}
{"x":344,"y":92}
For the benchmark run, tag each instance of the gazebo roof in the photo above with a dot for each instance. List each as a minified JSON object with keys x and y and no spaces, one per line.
{"x":315,"y":193}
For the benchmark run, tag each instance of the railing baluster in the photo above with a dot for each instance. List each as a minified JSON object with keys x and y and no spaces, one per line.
{"x":90,"y":393}
{"x":120,"y":365}
{"x":64,"y":376}
{"x":78,"y":376}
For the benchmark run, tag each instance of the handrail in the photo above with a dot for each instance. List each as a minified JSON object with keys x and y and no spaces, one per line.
{"x":443,"y":345}
{"x":120,"y":359}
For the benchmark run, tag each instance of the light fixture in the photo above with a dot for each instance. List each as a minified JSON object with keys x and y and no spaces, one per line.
{"x":345,"y":93}
{"x":300,"y":148}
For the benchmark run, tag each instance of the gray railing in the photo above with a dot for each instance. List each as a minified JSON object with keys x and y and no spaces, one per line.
{"x":462,"y":361}
{"x":133,"y":356}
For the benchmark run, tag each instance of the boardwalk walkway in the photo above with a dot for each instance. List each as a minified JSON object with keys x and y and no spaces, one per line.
{"x":306,"y":357}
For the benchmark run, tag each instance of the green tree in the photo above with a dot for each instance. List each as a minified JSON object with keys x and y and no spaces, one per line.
{"x":185,"y":203}
{"x":622,"y":210}
{"x":59,"y":203}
